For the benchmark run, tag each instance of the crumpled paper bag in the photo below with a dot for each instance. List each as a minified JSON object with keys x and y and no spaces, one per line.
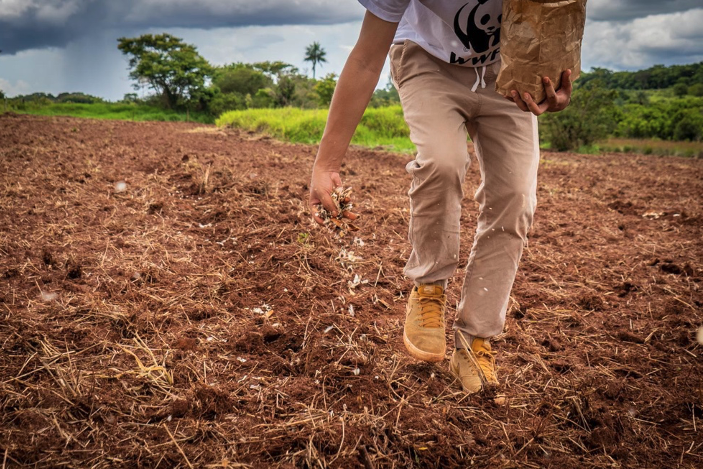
{"x":539,"y":38}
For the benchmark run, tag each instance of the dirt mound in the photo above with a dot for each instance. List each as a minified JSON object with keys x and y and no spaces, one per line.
{"x":167,"y":302}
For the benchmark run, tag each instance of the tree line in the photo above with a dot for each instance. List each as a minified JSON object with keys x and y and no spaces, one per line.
{"x":658,"y":102}
{"x":181,"y":78}
{"x":685,"y":79}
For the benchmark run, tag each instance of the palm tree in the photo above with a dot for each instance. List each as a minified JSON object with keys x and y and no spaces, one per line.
{"x":316,"y":54}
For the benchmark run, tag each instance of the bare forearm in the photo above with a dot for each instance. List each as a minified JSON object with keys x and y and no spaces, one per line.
{"x":354,"y":89}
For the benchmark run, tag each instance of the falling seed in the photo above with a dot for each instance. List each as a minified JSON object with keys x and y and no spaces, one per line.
{"x":356,"y":371}
{"x":120,"y":186}
{"x":241,"y":359}
{"x":48,"y":296}
{"x":485,"y":288}
{"x":700,"y":335}
{"x":329,"y":328}
{"x":351,"y":310}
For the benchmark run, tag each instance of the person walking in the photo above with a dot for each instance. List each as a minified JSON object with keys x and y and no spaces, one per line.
{"x":445,"y":56}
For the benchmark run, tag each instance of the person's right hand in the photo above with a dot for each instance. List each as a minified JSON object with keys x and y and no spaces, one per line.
{"x":322,"y":186}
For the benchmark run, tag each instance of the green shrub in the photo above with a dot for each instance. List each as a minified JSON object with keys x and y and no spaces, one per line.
{"x":589,"y":118}
{"x":689,"y":125}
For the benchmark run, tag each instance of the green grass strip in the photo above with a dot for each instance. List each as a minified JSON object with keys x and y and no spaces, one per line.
{"x":110,"y":111}
{"x":379,"y":127}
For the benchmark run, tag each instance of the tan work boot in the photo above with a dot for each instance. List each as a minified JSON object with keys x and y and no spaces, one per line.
{"x":474,"y":367}
{"x":424,"y":323}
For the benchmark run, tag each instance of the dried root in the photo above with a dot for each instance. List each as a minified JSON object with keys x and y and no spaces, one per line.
{"x":341,"y":224}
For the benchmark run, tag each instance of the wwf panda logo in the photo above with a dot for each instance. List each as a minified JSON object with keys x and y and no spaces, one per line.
{"x":482,"y":29}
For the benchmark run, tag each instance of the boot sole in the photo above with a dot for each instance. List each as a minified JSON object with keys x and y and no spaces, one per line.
{"x":421,"y":354}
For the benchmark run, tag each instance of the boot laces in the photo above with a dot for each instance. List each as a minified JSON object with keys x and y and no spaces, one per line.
{"x":431,"y":312}
{"x":483,"y":359}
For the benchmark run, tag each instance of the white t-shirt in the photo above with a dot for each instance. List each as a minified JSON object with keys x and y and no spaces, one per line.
{"x":462,"y":32}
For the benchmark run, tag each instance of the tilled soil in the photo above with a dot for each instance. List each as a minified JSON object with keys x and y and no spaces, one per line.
{"x":165,"y":301}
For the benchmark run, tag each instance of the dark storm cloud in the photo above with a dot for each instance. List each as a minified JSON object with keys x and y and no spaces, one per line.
{"x":34,"y":24}
{"x":627,"y":10}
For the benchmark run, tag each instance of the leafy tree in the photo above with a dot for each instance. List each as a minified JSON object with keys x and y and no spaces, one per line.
{"x":2,"y":94}
{"x":590,"y":117}
{"x":696,"y":90}
{"x":689,"y":125}
{"x":240,"y":78}
{"x":130,"y":98}
{"x":276,"y":69}
{"x":81,"y":98}
{"x":387,"y":96}
{"x":315,"y":54}
{"x":285,"y":91}
{"x":325,"y":88}
{"x":223,"y":102}
{"x":169,"y":66}
{"x":680,"y":89}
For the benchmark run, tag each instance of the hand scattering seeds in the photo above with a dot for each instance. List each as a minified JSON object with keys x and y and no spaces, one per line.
{"x":341,"y":223}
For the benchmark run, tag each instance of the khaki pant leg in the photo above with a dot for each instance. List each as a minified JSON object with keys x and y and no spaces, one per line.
{"x":507,"y":147}
{"x":435,"y":109}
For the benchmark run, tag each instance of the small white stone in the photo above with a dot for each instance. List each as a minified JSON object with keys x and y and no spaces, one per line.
{"x":48,"y":296}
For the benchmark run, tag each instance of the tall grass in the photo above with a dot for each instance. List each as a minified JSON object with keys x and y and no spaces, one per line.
{"x":379,"y":127}
{"x":112,"y":111}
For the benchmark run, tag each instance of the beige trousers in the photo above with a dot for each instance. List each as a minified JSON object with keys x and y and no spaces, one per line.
{"x":440,"y":107}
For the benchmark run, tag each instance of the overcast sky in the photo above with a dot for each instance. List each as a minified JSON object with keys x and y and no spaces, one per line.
{"x":71,"y":45}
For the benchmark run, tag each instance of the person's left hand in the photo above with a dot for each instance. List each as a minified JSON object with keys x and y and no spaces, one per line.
{"x":556,"y":100}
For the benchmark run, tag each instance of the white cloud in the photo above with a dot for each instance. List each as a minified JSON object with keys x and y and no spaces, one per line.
{"x":627,"y":10}
{"x":58,"y":12}
{"x":642,"y":42}
{"x":14,"y":89}
{"x":10,"y":9}
{"x":259,"y":10}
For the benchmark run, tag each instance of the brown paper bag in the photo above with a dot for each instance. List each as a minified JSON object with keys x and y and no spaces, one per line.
{"x":539,"y":38}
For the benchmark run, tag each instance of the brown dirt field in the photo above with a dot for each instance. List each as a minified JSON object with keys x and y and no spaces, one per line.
{"x":165,"y":301}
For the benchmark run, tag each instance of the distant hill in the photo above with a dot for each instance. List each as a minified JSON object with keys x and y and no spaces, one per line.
{"x":76,"y":97}
{"x":654,"y":78}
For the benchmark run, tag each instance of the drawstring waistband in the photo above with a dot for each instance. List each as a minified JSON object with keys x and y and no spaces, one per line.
{"x":479,"y":79}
